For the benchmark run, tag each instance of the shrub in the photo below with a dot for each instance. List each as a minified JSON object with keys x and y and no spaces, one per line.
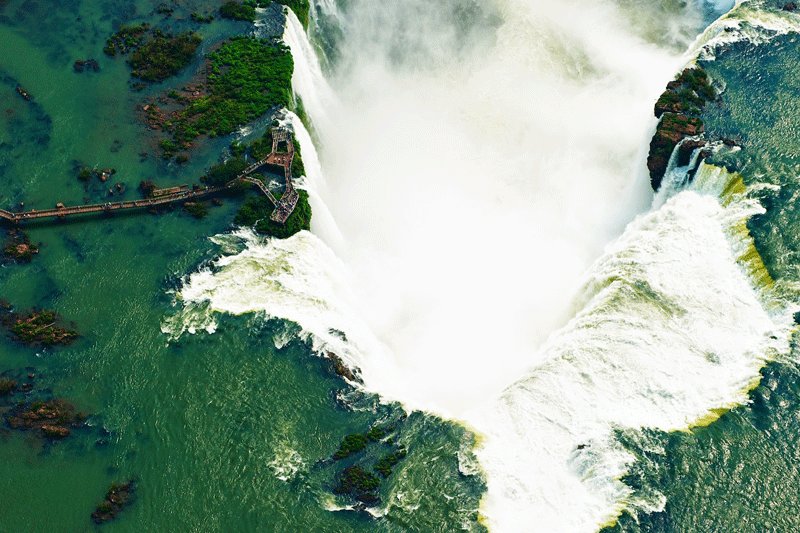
{"x":225,"y":172}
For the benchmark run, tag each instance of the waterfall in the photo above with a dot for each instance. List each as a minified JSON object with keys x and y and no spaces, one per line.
{"x":471,"y":169}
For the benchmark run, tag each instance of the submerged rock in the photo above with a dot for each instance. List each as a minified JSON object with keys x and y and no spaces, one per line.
{"x":18,"y":247}
{"x":118,"y":497}
{"x":7,"y":386}
{"x":83,"y":65}
{"x":52,"y":418}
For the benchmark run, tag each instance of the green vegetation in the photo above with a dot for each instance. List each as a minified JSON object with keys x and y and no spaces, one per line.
{"x":679,"y":109}
{"x":246,"y":10}
{"x":300,"y":8}
{"x":85,"y":174}
{"x":127,"y":39}
{"x":351,"y":444}
{"x":155,"y":56}
{"x":224,"y":172}
{"x":358,"y":483}
{"x":18,"y":247}
{"x":256,"y":211}
{"x":247,"y":77}
{"x":387,"y":462}
{"x":39,"y":327}
{"x":163,"y":55}
{"x":237,"y":11}
{"x":687,"y":94}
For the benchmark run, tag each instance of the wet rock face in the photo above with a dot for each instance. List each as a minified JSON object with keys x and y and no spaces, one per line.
{"x":339,"y":368}
{"x":679,"y":109}
{"x":672,"y":129}
{"x":118,"y":497}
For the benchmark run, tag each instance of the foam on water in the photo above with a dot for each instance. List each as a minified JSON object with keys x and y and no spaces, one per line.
{"x":747,"y":21}
{"x":460,"y":222}
{"x":670,"y":328}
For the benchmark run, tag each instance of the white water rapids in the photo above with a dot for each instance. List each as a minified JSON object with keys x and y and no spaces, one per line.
{"x":472,"y":167}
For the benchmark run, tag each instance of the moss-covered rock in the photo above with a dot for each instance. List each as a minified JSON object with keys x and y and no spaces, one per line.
{"x":127,"y":39}
{"x":163,"y":55}
{"x":7,"y":386}
{"x":118,"y":497}
{"x":53,"y":419}
{"x":386,"y":463}
{"x":687,"y":94}
{"x":39,"y":328}
{"x":196,"y":209}
{"x":350,"y":445}
{"x":357,"y":482}
{"x":18,"y":247}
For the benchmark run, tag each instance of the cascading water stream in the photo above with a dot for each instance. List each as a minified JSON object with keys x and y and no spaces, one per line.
{"x":469,"y":184}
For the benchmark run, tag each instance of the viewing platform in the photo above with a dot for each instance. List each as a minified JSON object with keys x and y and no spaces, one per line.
{"x":283,"y":206}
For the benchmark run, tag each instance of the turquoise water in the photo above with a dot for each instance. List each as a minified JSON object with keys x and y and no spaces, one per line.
{"x":222,"y":432}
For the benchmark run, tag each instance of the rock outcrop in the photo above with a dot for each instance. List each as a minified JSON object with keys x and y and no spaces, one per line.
{"x":679,"y":109}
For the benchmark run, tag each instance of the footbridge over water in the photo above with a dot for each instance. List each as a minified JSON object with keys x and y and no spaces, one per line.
{"x":283,"y":206}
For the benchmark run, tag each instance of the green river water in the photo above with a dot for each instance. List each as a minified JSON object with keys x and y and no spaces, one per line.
{"x":222,"y":432}
{"x":226,"y":432}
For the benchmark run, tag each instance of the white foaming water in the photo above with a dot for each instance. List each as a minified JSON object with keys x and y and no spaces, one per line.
{"x":746,"y":22}
{"x":670,"y":328}
{"x":474,"y":190}
{"x":472,"y":185}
